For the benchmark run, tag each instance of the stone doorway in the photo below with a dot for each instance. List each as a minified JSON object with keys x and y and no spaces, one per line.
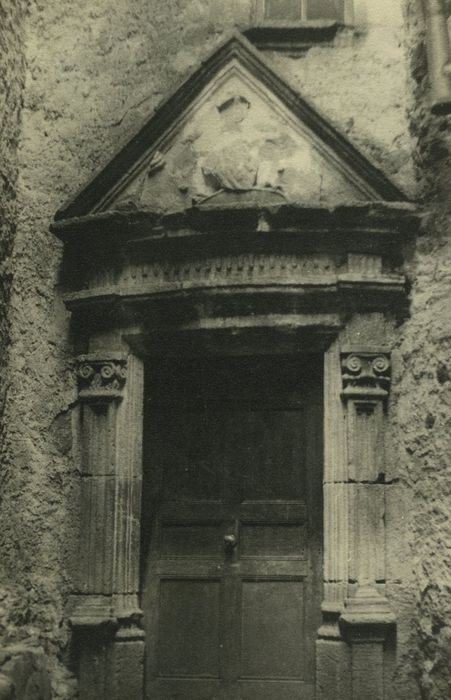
{"x":319,"y":284}
{"x":232,"y":527}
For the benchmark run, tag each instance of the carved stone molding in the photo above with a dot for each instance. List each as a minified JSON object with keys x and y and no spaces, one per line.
{"x":101,"y":379}
{"x":91,"y":611}
{"x":366,"y":374}
{"x":367,"y":617}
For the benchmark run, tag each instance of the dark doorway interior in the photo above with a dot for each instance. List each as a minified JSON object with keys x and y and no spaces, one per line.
{"x":232,"y":527}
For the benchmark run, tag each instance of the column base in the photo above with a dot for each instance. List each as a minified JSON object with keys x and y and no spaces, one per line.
{"x":365,"y":623}
{"x":367,"y":617}
{"x":333,"y":670}
{"x":111,"y":662}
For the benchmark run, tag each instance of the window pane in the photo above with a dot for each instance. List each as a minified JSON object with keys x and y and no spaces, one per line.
{"x":325,"y":9}
{"x":283,"y":9}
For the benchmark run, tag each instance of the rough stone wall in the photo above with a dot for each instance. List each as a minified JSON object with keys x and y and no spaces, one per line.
{"x":12,"y":74}
{"x":94,"y":71}
{"x":22,"y":671}
{"x":423,"y":393}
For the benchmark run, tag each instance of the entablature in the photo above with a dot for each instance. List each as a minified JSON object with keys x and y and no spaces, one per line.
{"x":266,"y":259}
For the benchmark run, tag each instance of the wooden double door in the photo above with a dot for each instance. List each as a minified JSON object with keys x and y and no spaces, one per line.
{"x":232,"y":529}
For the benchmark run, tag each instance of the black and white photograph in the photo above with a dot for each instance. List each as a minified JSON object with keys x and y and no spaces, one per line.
{"x":225,"y":350}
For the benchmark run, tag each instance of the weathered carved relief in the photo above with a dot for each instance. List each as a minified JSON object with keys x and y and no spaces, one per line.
{"x":235,"y":124}
{"x":237,"y":162}
{"x":238,"y":136}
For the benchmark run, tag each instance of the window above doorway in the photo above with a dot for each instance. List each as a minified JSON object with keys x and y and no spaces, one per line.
{"x":294,"y":11}
{"x":296,"y":25}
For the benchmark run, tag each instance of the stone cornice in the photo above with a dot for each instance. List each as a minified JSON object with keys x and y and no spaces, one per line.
{"x":396,"y":222}
{"x":281,"y":258}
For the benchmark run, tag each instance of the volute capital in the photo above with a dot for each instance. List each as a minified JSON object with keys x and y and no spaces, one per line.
{"x":366,"y":373}
{"x":101,"y":378}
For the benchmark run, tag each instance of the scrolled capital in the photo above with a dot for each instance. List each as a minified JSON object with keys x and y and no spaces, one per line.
{"x":101,"y":378}
{"x":366,"y":373}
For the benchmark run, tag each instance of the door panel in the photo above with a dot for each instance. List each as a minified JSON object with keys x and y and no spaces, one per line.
{"x":189,"y":610}
{"x":264,"y":454}
{"x":184,"y":689}
{"x":188,"y":463}
{"x":231,"y":530}
{"x":272,"y":540}
{"x":275,"y":690}
{"x":272,"y":614}
{"x":190,"y":540}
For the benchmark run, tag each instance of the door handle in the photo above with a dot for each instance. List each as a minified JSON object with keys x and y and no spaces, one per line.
{"x":230,"y":542}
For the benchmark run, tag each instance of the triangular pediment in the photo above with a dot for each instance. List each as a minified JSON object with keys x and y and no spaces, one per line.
{"x":233,"y":126}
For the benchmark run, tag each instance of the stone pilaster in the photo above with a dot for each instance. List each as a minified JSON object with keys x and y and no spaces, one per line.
{"x":356,"y":617}
{"x":104,"y":609}
{"x":332,"y":653}
{"x":367,"y":617}
{"x":336,"y":509}
{"x":366,"y":381}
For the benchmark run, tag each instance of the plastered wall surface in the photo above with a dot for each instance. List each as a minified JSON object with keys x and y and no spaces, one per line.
{"x":16,"y":662}
{"x":12,"y":74}
{"x":93,"y":72}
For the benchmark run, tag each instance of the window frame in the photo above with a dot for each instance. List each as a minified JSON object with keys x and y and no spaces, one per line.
{"x":263,"y":21}
{"x":288,"y":22}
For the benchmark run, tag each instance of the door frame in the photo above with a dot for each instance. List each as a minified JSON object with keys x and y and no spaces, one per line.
{"x":311,"y":278}
{"x":107,"y":628}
